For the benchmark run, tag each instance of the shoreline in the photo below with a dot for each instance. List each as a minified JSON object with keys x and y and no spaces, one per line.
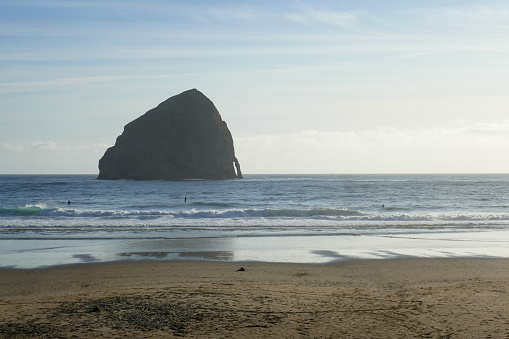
{"x":320,"y":249}
{"x":199,"y":259}
{"x":401,"y":298}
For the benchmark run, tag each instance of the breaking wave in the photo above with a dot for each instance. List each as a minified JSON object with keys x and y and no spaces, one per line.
{"x":27,"y":211}
{"x":41,"y":212}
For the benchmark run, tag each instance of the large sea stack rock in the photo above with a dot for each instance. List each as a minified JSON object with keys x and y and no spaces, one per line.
{"x":182,"y":138}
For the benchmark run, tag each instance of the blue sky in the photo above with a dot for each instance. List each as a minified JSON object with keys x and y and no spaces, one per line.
{"x":305,"y":86}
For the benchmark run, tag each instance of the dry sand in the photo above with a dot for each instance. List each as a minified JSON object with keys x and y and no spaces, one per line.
{"x":403,"y":298}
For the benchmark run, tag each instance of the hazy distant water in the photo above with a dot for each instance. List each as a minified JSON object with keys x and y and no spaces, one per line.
{"x":35,"y":208}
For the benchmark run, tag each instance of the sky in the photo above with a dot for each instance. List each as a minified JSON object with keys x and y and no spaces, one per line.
{"x":363,"y":86}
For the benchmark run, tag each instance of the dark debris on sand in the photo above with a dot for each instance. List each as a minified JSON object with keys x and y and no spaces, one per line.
{"x":28,"y":329}
{"x":139,"y":313}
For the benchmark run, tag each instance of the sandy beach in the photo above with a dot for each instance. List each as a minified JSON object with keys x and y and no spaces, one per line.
{"x":401,"y":298}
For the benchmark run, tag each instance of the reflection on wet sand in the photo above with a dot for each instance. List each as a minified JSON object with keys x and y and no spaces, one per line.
{"x":152,"y":255}
{"x":197,"y":249}
{"x":199,"y":255}
{"x":85,"y":257}
{"x":212,"y":255}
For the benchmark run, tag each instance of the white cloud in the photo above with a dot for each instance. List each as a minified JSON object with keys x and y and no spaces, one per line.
{"x":49,"y":157}
{"x":11,"y":147}
{"x":22,"y":86}
{"x":311,"y":16}
{"x":228,"y":13}
{"x":43,"y":146}
{"x":464,"y":148}
{"x":485,"y":14}
{"x":470,"y":18}
{"x":50,"y":146}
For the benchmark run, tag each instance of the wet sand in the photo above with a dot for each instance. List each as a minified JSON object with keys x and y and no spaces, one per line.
{"x":400,"y":298}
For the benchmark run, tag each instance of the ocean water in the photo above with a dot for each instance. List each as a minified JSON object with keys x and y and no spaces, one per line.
{"x":279,"y":218}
